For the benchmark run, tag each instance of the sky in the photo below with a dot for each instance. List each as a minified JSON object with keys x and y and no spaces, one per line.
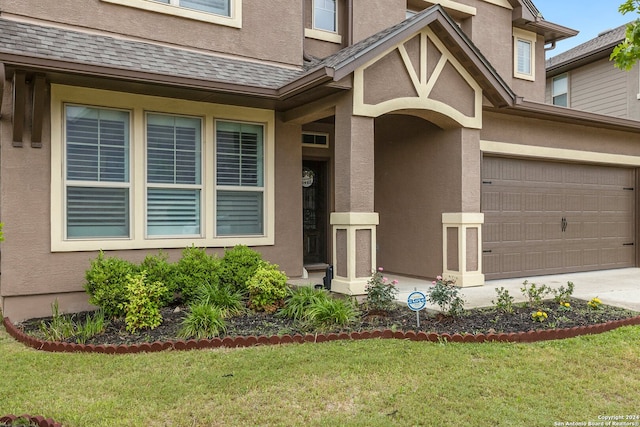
{"x":590,"y":17}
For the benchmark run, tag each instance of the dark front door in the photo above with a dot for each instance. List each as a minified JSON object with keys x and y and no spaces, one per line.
{"x":314,"y":211}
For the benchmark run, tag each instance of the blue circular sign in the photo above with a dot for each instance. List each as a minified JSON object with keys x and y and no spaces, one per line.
{"x":416,"y":301}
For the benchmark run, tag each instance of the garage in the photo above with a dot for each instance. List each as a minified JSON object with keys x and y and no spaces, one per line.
{"x":545,"y":217}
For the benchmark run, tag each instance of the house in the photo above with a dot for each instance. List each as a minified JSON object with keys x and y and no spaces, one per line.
{"x":410,"y":134}
{"x":584,"y":78}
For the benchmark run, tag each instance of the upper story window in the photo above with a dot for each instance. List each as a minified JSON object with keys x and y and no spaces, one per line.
{"x":524,"y":43}
{"x":223,"y":12}
{"x":560,"y":90}
{"x":325,"y":16}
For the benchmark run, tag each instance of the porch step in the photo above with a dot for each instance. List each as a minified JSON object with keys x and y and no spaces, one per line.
{"x":316,"y":267}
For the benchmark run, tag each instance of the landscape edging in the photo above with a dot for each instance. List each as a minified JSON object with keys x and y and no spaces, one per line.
{"x":40,"y":421}
{"x":250,"y":341}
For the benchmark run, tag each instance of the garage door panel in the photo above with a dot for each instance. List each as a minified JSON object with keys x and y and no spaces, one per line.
{"x":549,"y":217}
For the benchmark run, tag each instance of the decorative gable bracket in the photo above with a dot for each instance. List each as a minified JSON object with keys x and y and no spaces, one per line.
{"x":28,"y":92}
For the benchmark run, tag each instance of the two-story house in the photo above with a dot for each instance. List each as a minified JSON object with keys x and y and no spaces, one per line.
{"x":584,"y":78}
{"x":410,"y":134}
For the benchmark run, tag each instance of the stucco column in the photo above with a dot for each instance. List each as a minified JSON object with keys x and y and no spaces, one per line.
{"x":354,"y":222}
{"x":462,"y":229}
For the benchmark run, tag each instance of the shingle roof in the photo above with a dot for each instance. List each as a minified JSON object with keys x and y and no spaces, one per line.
{"x":26,"y":39}
{"x":606,"y":40}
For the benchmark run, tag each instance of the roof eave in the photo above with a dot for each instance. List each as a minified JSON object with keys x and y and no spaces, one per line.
{"x":594,"y":55}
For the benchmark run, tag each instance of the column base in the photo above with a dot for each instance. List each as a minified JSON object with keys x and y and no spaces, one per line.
{"x":467,"y":280}
{"x":349,"y":287}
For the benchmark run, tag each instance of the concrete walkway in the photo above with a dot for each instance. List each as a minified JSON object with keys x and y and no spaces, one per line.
{"x":619,"y":287}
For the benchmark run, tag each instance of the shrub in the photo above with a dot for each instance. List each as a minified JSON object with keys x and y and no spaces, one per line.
{"x":534,"y":294}
{"x":193,"y":270}
{"x":203,"y":321}
{"x":106,"y":282}
{"x":300,"y":300}
{"x":142,"y":306}
{"x":444,"y":294}
{"x":229,"y":301}
{"x":238,"y":266}
{"x":62,"y":327}
{"x":92,"y":326}
{"x":381,"y":294}
{"x":160,"y":270}
{"x":562,"y":294}
{"x":504,"y":302}
{"x":267,"y":289}
{"x":332,"y":312}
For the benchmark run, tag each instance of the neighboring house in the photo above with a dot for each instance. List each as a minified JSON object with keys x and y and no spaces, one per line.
{"x":584,"y":78}
{"x":318,"y":132}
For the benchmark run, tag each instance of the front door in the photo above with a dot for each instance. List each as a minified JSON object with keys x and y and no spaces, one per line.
{"x":314,"y":212}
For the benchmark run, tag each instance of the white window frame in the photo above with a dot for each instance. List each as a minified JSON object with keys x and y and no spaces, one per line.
{"x":139,"y":105}
{"x":235,"y":20}
{"x":553,"y":86}
{"x":320,"y":33}
{"x":326,"y":135}
{"x":529,"y":38}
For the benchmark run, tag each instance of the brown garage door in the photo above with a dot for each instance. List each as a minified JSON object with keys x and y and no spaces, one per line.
{"x":548,"y":218}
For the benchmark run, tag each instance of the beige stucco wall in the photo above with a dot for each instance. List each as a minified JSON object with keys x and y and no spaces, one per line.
{"x":28,"y":266}
{"x":257,"y":39}
{"x":418,"y":177}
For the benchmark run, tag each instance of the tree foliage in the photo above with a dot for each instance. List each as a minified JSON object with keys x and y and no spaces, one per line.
{"x":627,"y":53}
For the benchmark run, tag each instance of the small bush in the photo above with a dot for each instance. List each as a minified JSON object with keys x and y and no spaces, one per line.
{"x":504,"y":302}
{"x":62,"y":327}
{"x":300,"y":300}
{"x":230,"y":302}
{"x":267,"y":289}
{"x":562,"y":294}
{"x":142,"y":306}
{"x":381,"y":294}
{"x":93,"y":325}
{"x":444,"y":294}
{"x":534,"y":294}
{"x":193,"y":270}
{"x":203,"y":321}
{"x":238,"y":266}
{"x":332,"y":312}
{"x":160,"y":270}
{"x":106,"y":282}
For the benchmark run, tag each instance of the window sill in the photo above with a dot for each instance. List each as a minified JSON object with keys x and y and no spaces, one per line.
{"x":323,"y":35}
{"x":235,"y":20}
{"x":524,"y":77}
{"x":177,"y":243}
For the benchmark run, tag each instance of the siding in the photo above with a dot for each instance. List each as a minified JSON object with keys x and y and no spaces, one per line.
{"x":599,"y":88}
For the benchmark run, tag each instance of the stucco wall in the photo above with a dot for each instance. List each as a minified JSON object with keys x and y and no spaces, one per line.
{"x":257,"y":38}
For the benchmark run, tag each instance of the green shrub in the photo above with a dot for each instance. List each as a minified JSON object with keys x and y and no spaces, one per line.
{"x":297,"y":304}
{"x":229,"y":301}
{"x":381,"y":294}
{"x":62,"y":327}
{"x":534,"y":294}
{"x":93,"y":325}
{"x":142,"y":306}
{"x":504,"y":302}
{"x":160,"y":270}
{"x":332,"y":312}
{"x":203,"y":321}
{"x":562,"y":294}
{"x":106,"y":282}
{"x":193,"y":270}
{"x":444,"y":294}
{"x":267,"y":289}
{"x":238,"y":266}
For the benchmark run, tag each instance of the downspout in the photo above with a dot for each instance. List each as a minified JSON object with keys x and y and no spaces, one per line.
{"x":553,"y":46}
{"x":349,"y":35}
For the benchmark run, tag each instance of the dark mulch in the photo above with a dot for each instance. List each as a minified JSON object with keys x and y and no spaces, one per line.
{"x":474,"y":321}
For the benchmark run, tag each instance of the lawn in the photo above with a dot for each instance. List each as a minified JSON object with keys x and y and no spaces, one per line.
{"x":350,"y":383}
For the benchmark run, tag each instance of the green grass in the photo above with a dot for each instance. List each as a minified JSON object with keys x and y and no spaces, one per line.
{"x":342,"y":383}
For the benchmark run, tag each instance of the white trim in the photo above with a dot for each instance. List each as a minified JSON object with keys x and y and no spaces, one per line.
{"x":501,"y":3}
{"x":528,"y":37}
{"x":554,"y":95}
{"x":235,"y":20}
{"x":335,"y":18}
{"x":453,"y":5}
{"x":520,"y":150}
{"x":323,"y":35}
{"x":138,"y":105}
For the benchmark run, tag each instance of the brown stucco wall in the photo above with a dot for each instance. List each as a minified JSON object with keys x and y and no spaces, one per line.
{"x":376,"y":15}
{"x":33,"y":277}
{"x":418,"y":177}
{"x":280,"y":43}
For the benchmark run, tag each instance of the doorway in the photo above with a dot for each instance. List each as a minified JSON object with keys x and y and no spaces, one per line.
{"x":314,"y":213}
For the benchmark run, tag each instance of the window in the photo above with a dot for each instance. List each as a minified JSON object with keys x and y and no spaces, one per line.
{"x":524,"y":54}
{"x":97,"y":172}
{"x":315,"y":139}
{"x":223,"y":12}
{"x":560,"y":90}
{"x":325,"y":15}
{"x":219,"y":7}
{"x":144,"y":172}
{"x":173,"y":175}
